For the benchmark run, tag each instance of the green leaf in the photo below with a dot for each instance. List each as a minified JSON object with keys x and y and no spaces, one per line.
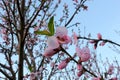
{"x":51,"y":25}
{"x":30,"y":68}
{"x":44,"y":32}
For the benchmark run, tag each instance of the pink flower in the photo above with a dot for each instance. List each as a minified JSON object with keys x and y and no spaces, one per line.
{"x":76,"y":1}
{"x":110,"y":70}
{"x":52,"y":42}
{"x":50,"y":52}
{"x":79,"y":73}
{"x":83,"y":53}
{"x":32,"y":76}
{"x":4,"y":31}
{"x":62,"y":35}
{"x":92,"y":41}
{"x":79,"y":67}
{"x":99,"y":36}
{"x":96,"y":78}
{"x":53,"y":46}
{"x":63,"y":64}
{"x":61,"y":31}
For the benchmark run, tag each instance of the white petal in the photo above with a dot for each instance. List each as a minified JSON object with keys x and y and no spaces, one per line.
{"x":52,"y":42}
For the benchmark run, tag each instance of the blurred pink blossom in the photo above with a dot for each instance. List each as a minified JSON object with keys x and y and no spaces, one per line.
{"x":92,"y":41}
{"x":63,"y":64}
{"x":96,"y":78}
{"x":110,"y":70}
{"x":32,"y":76}
{"x":50,"y":52}
{"x":79,"y":73}
{"x":62,"y":35}
{"x":83,"y":53}
{"x":52,"y":42}
{"x":3,"y":31}
{"x":99,"y":36}
{"x":76,"y":1}
{"x":79,"y":67}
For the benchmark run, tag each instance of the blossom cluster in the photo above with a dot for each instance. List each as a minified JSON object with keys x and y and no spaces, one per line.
{"x":60,"y":38}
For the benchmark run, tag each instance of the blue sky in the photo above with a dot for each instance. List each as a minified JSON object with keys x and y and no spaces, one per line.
{"x":103,"y":16}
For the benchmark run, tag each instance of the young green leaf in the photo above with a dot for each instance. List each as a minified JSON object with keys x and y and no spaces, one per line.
{"x":30,"y":68}
{"x":51,"y":25}
{"x":44,"y":32}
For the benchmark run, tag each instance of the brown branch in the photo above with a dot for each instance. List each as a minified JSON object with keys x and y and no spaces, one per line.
{"x":78,"y":8}
{"x":19,"y":10}
{"x":62,"y":49}
{"x":105,"y":40}
{"x":6,"y":74}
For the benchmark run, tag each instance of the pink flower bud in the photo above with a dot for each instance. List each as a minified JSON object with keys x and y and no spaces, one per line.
{"x":92,"y":41}
{"x":49,"y":52}
{"x":102,"y":43}
{"x":32,"y":76}
{"x":110,"y":70}
{"x":76,"y":1}
{"x":79,"y":67}
{"x":79,"y":73}
{"x":63,"y":64}
{"x":83,"y":53}
{"x":96,"y":78}
{"x":99,"y":36}
{"x":62,"y":35}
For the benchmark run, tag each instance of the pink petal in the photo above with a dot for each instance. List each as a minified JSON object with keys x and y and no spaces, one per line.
{"x":62,"y":65}
{"x":32,"y":76}
{"x":78,"y":51}
{"x":52,"y":42}
{"x":49,"y":52}
{"x":85,"y":54}
{"x":99,"y":36}
{"x":76,"y":1}
{"x":96,"y":78}
{"x":79,"y":67}
{"x":79,"y":73}
{"x":61,"y":31}
{"x":91,"y":41}
{"x":64,"y":40}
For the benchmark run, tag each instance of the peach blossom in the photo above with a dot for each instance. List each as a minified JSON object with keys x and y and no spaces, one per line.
{"x":99,"y":36}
